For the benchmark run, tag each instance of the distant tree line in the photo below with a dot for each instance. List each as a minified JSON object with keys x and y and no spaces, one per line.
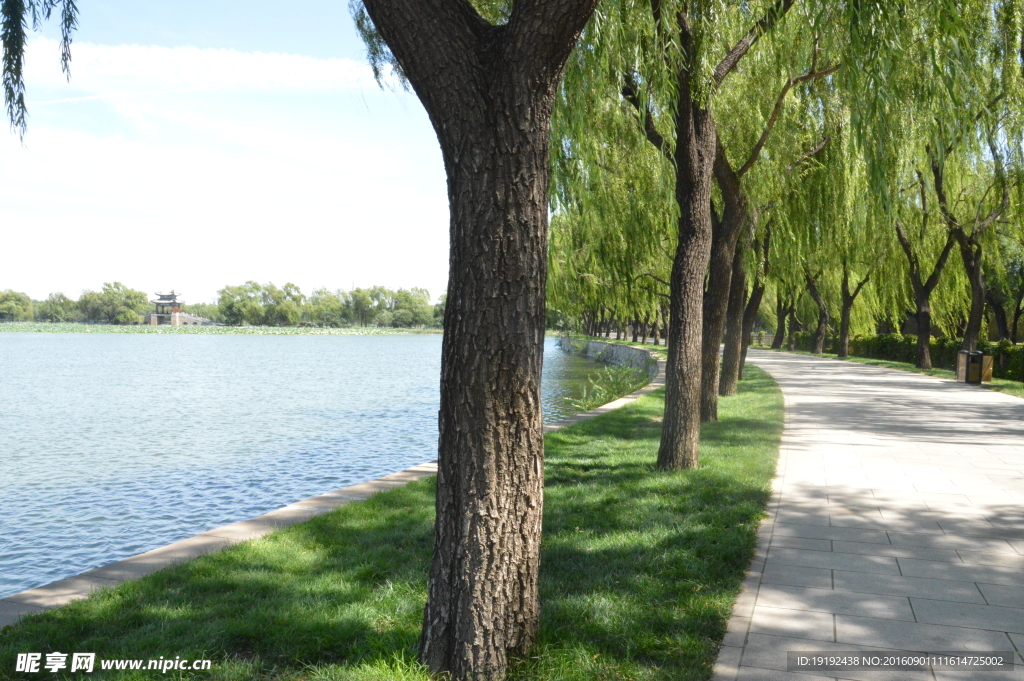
{"x":115,"y":303}
{"x":251,"y":304}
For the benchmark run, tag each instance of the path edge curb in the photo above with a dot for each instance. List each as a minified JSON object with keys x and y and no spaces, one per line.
{"x":727,"y":664}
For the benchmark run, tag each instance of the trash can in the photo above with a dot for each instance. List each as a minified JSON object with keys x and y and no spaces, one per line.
{"x":969,"y":366}
{"x":987,"y":362}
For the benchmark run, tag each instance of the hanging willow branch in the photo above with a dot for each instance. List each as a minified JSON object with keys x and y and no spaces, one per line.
{"x":13,"y":36}
{"x":763,"y":25}
{"x":644,"y":115}
{"x":756,"y":151}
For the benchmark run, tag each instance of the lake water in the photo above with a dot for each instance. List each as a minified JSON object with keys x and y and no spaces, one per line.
{"x":114,"y":444}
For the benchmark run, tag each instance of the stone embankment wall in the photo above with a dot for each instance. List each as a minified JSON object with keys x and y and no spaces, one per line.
{"x":612,"y":353}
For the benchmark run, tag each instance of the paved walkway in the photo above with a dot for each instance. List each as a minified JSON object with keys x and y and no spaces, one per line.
{"x":896,"y":523}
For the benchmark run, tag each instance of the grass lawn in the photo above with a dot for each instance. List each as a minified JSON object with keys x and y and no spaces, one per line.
{"x":1015,"y":388}
{"x":640,"y":569}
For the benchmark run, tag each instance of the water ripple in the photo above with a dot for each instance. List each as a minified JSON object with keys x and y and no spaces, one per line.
{"x":114,"y":444}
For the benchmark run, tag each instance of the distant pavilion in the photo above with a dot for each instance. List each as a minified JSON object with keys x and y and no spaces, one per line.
{"x":168,"y":311}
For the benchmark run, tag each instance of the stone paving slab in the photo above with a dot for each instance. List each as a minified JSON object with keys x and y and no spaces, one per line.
{"x":896,"y":523}
{"x":64,"y":591}
{"x":11,"y":611}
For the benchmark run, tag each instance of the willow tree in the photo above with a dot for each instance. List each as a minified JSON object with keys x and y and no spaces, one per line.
{"x":667,"y":62}
{"x":948,"y":76}
{"x":16,"y":16}
{"x":775,"y":114}
{"x":974,"y":152}
{"x":611,"y":235}
{"x":803,"y":71}
{"x":487,"y":76}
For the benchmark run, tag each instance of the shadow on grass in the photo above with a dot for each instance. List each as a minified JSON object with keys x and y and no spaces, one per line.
{"x":639,"y":570}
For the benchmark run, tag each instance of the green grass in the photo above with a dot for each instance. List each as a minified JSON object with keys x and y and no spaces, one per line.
{"x":70,"y":327}
{"x":609,"y":383}
{"x":1002,"y":385}
{"x":639,"y":570}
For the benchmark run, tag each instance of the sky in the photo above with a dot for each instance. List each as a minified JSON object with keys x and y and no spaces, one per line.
{"x":202,"y":144}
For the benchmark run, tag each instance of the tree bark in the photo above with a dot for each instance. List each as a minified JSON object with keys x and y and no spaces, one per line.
{"x":996,"y":300}
{"x":728,"y":383}
{"x":489,"y":92}
{"x":923,"y":288}
{"x":781,"y":312}
{"x":749,"y":315}
{"x":971,"y":254}
{"x":848,"y":297}
{"x":694,"y":157}
{"x":725,"y":234}
{"x":756,"y":295}
{"x":1017,"y":310}
{"x":823,"y":316}
{"x":794,"y":326}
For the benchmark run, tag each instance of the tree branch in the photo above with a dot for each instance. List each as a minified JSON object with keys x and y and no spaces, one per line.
{"x":657,"y":279}
{"x":644,"y":115}
{"x":658,"y":293}
{"x":542,"y":34}
{"x":809,"y":155}
{"x":756,"y":151}
{"x":940,"y":191}
{"x":446,"y":49}
{"x":980,"y":227}
{"x":856,"y":291}
{"x":726,"y":176}
{"x":924,"y":202}
{"x":908,"y":250}
{"x":933,"y":280}
{"x":764,"y":24}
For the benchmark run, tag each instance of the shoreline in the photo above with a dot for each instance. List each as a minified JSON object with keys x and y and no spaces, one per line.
{"x":63,"y":591}
{"x":76,"y":327}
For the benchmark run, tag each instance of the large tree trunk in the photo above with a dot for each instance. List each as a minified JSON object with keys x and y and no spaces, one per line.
{"x":849,"y":298}
{"x":489,"y":92}
{"x":844,"y":329}
{"x":483,"y":601}
{"x":971,"y":253}
{"x":924,"y":331}
{"x":923,"y":288}
{"x":997,"y":303}
{"x":732,"y":354}
{"x":1018,"y":309}
{"x":781,"y":311}
{"x":694,"y":156}
{"x":749,"y":316}
{"x":716,"y":297}
{"x":823,"y":316}
{"x":794,"y":327}
{"x":756,"y":295}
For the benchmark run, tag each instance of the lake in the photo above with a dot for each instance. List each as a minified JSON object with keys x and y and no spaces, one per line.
{"x":114,"y":444}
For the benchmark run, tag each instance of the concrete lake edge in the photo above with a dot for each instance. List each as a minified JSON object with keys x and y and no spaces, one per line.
{"x":63,"y":591}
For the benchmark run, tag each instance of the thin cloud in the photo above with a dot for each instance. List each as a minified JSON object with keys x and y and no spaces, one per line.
{"x":107,"y":71}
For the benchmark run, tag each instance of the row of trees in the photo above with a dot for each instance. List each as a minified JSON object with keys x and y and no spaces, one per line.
{"x":708,"y":155}
{"x":857,"y":162}
{"x":115,"y":303}
{"x":251,"y":303}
